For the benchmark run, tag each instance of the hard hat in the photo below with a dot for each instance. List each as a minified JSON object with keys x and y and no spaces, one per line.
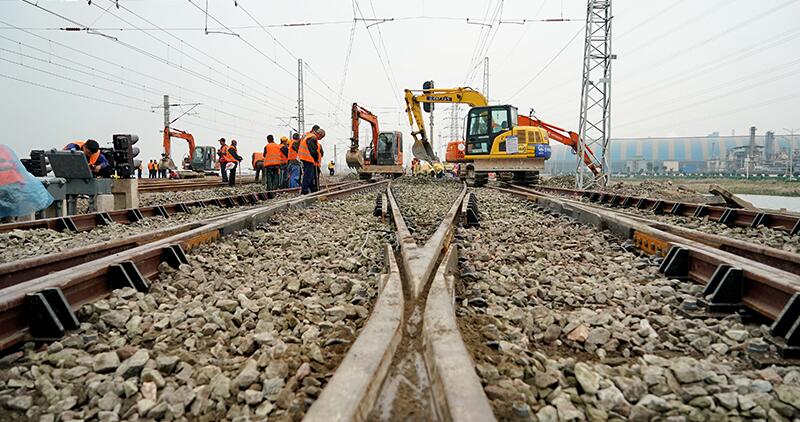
{"x":284,"y":139}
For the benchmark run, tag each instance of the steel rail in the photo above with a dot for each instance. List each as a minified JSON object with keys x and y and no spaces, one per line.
{"x":732,"y":282}
{"x":777,"y":258}
{"x":84,"y":222}
{"x":725,"y":215}
{"x":167,"y":185}
{"x":456,"y":391}
{"x":26,"y":310}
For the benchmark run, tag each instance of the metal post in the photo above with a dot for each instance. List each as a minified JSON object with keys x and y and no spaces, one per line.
{"x":486,"y":78}
{"x":595,"y":115}
{"x":790,"y":165}
{"x":301,"y":113}
{"x":166,"y":112}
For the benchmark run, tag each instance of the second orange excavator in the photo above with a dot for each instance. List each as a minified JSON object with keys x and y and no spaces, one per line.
{"x":384,"y":153}
{"x":199,"y":159}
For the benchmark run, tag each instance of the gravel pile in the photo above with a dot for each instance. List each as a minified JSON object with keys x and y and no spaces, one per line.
{"x":564,"y":323}
{"x":149,"y":199}
{"x":424,"y":202}
{"x":252,"y":329}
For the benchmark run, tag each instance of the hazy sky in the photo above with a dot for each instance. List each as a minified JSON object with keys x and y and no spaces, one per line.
{"x":684,"y":67}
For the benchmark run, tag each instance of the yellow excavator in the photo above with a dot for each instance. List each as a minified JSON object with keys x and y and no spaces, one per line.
{"x":494,"y":142}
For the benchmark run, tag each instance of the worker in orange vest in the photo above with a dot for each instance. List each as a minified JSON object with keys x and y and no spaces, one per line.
{"x":294,"y":164}
{"x":97,"y":161}
{"x":258,"y":165}
{"x":222,"y":154}
{"x":284,"y":177}
{"x":309,"y":154}
{"x":232,"y":160}
{"x":272,"y":164}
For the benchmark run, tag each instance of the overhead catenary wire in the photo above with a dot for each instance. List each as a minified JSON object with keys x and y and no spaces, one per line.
{"x":392,"y":85}
{"x":265,"y":55}
{"x":113,"y":64}
{"x":159,"y":58}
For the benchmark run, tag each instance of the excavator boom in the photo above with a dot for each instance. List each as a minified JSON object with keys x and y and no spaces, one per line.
{"x":422,"y":148}
{"x":175,"y":133}
{"x":353,"y":157}
{"x":565,"y":137}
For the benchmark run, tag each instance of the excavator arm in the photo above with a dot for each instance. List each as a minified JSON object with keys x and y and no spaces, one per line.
{"x":565,"y":137}
{"x":175,"y":133}
{"x":422,"y":148}
{"x":353,"y":156}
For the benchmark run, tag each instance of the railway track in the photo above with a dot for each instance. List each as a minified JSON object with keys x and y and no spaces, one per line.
{"x":84,"y":222}
{"x":789,"y":223}
{"x":409,"y":361}
{"x":736,"y":275}
{"x":40,"y":295}
{"x":461,"y":324}
{"x":168,"y":185}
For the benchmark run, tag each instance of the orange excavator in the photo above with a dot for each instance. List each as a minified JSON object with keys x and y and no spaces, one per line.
{"x":384,"y":153}
{"x":200,"y":158}
{"x":455,"y":149}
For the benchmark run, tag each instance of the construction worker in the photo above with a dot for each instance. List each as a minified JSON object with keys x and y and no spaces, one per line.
{"x":222,"y":154}
{"x":97,"y":161}
{"x":284,"y":174}
{"x":155,"y":169}
{"x":232,"y":160}
{"x":331,"y":168}
{"x":258,"y":166}
{"x":309,"y":154}
{"x":150,"y":166}
{"x":294,"y":164}
{"x":272,"y":164}
{"x":438,"y":170}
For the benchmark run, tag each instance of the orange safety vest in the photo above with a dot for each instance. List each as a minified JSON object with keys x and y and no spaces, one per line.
{"x":319,"y":154}
{"x":284,"y":158}
{"x":151,"y":166}
{"x":222,"y":153}
{"x":92,"y":158}
{"x":292,"y":151}
{"x":9,"y":173}
{"x":229,"y":158}
{"x":302,"y":151}
{"x":272,"y":155}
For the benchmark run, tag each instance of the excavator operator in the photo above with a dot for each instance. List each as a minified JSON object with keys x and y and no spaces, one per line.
{"x":97,"y":161}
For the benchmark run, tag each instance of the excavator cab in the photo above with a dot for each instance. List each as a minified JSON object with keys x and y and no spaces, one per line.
{"x":390,"y":149}
{"x":204,"y":158}
{"x":485,"y":124}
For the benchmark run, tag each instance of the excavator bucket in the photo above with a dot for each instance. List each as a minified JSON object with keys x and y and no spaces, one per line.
{"x":423,"y":151}
{"x":354,"y":158}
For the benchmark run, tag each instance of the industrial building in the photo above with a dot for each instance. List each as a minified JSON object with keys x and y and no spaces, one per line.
{"x":765,"y":153}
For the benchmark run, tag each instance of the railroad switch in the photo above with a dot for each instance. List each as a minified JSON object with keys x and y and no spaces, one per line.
{"x":50,"y":314}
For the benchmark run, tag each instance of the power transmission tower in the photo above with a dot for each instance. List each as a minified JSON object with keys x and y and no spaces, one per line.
{"x":595,"y":118}
{"x":301,"y":111}
{"x":486,"y":78}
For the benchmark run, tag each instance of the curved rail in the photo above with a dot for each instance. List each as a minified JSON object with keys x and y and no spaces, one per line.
{"x":419,"y":282}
